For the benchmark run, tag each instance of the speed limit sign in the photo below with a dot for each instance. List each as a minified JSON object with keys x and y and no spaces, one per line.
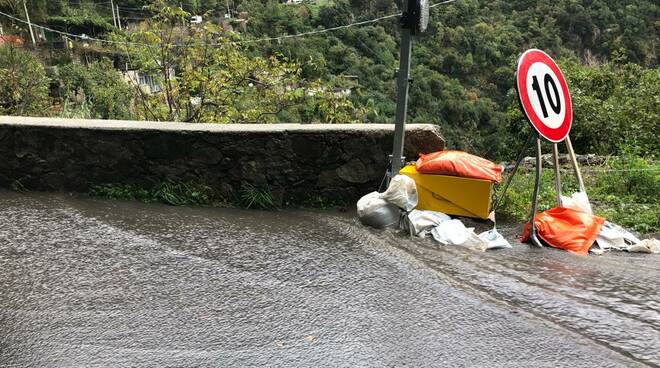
{"x":544,"y":95}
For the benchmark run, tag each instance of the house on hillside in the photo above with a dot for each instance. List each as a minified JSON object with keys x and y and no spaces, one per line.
{"x":147,"y":82}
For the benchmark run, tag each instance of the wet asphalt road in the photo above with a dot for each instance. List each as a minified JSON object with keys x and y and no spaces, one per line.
{"x":93,"y":283}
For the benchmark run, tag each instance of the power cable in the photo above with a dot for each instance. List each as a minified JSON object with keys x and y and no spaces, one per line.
{"x":442,"y":3}
{"x":339,"y":27}
{"x":296,"y":35}
{"x":82,"y":37}
{"x":325,"y":30}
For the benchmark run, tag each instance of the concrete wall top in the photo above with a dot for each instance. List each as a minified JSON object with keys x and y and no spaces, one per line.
{"x":128,"y":125}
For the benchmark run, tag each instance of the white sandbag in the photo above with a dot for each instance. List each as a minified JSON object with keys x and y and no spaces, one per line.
{"x":596,"y":251}
{"x":646,"y":246}
{"x":421,"y":221}
{"x":402,"y":192}
{"x":613,"y":236}
{"x":578,"y":201}
{"x":495,"y":240}
{"x":454,"y":232}
{"x":375,"y":212}
{"x":475,"y":242}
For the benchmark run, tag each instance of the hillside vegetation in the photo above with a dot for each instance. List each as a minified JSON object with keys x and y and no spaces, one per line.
{"x":463,"y":66}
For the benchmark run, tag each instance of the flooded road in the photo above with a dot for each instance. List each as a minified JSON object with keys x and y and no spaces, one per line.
{"x":94,"y":283}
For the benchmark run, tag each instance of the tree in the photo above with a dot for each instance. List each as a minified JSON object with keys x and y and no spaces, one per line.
{"x":38,"y":8}
{"x":208,"y":77}
{"x":99,"y":86}
{"x":23,"y":83}
{"x":337,"y":14}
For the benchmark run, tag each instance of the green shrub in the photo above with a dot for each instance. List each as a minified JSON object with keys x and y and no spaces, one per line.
{"x":183,"y":194}
{"x":98,"y":87}
{"x":23,"y":83}
{"x":616,"y":108}
{"x":176,"y":194}
{"x":254,"y":197}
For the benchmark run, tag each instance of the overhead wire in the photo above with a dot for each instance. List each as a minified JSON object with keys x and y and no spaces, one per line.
{"x":441,"y":3}
{"x":124,"y":9}
{"x":82,"y":37}
{"x":320,"y":31}
{"x":265,"y":39}
{"x":339,"y":27}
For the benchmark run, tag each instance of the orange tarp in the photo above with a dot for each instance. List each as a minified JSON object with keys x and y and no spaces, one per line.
{"x":567,"y":229}
{"x":458,"y":163}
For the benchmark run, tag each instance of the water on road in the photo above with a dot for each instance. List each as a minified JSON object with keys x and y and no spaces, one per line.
{"x":87,"y":282}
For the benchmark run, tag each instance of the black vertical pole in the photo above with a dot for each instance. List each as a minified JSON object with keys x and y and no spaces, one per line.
{"x":403,"y":84}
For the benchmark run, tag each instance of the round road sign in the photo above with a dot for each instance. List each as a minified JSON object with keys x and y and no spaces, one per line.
{"x":544,"y":96}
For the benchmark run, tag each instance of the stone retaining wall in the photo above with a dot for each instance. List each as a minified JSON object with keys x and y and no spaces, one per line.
{"x":296,"y":162}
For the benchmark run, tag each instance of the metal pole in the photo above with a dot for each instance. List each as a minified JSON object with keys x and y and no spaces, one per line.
{"x":118,"y":18}
{"x":555,"y":157}
{"x":576,"y":168}
{"x":403,"y":83}
{"x":535,"y":196}
{"x":114,"y":18}
{"x":27,"y":15}
{"x":521,"y":156}
{"x":498,"y":199}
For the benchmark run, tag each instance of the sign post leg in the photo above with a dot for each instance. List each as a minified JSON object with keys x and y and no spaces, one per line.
{"x":576,"y":168}
{"x":555,"y":158}
{"x":535,"y":196}
{"x":521,"y":156}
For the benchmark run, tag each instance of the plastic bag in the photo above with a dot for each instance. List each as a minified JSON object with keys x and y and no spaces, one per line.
{"x":612,"y":236}
{"x":645,"y":246}
{"x":402,"y":192}
{"x":421,"y":222}
{"x":451,"y":232}
{"x":578,"y":201}
{"x":495,"y":240}
{"x":376,"y":212}
{"x":458,"y":163}
{"x":568,"y":229}
{"x":454,"y":232}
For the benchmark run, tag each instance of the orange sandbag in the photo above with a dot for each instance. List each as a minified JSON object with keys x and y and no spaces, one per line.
{"x":458,"y":163}
{"x":567,"y":229}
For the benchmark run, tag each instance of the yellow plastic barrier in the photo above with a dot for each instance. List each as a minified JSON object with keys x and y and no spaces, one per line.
{"x":452,"y":195}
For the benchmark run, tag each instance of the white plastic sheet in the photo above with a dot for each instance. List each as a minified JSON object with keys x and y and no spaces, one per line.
{"x":578,"y":201}
{"x":614,"y":237}
{"x":402,"y":192}
{"x":421,"y":222}
{"x":454,"y":232}
{"x":376,"y":212}
{"x":495,"y":240}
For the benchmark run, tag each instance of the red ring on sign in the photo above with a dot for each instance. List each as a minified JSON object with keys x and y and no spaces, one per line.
{"x":526,"y":61}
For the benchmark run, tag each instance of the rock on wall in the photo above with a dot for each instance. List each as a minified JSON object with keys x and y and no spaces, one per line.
{"x":296,"y":162}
